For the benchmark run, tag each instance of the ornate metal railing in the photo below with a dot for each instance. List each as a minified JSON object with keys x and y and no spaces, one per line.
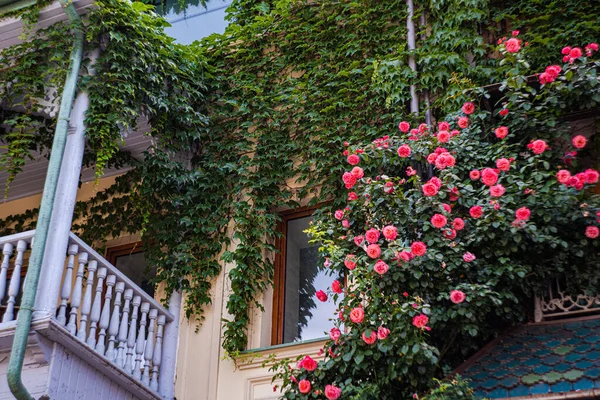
{"x":98,"y":305}
{"x":555,"y":302}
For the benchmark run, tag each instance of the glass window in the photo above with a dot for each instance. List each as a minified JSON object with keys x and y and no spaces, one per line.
{"x":304,"y":317}
{"x":194,"y":21}
{"x":131,"y":261}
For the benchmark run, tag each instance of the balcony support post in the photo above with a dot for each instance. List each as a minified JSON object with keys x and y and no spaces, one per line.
{"x":166,"y":378}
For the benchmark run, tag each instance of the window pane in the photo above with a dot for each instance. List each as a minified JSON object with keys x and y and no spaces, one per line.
{"x":135,"y":268}
{"x":305,"y":317}
{"x":194,"y":21}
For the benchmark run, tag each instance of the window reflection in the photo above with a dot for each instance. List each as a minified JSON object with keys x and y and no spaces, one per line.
{"x":305,"y":317}
{"x":194,"y":21}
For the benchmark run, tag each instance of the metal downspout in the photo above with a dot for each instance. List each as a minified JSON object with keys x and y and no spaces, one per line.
{"x":17,"y":354}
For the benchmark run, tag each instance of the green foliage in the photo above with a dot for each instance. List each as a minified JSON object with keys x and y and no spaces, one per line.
{"x":455,"y":389}
{"x":245,"y":123}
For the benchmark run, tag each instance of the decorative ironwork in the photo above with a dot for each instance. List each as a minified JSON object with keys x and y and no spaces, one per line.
{"x":556,"y":303}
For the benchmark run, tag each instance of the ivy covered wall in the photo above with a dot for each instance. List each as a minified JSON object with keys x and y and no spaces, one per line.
{"x":238,"y":116}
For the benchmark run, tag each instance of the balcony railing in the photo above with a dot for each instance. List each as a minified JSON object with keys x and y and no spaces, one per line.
{"x":99,"y":306}
{"x":555,"y":302}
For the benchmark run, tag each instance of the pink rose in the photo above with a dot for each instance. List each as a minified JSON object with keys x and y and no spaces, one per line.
{"x":373,"y":250}
{"x":458,"y":224}
{"x":468,"y":257}
{"x":335,"y":334}
{"x":404,"y":151}
{"x":332,"y":392}
{"x":381,"y":267}
{"x":443,"y":136}
{"x":339,"y":214}
{"x":449,"y":234}
{"x":429,"y":189}
{"x":501,"y":132}
{"x":372,"y":235}
{"x":503,"y":164}
{"x":539,"y":146}
{"x":591,"y":176}
{"x":369,"y":339}
{"x":457,"y":297}
{"x":579,"y":141}
{"x":512,"y":45}
{"x":352,"y":196}
{"x":474,"y":175}
{"x":353,"y":159}
{"x":350,"y":261}
{"x":418,"y":248}
{"x":420,"y":321}
{"x":321,"y":295}
{"x":503,"y":112}
{"x":592,"y":232}
{"x":436,"y":181}
{"x":404,"y":126}
{"x":476,"y":212}
{"x":346,"y":224}
{"x":336,"y":287}
{"x":405,"y":256}
{"x":443,"y":126}
{"x":523,"y":214}
{"x":357,"y":172}
{"x":349,"y":180}
{"x":468,"y":108}
{"x":357,"y":315}
{"x":382,"y":333}
{"x":390,"y":232}
{"x":563,"y":176}
{"x":410,"y":171}
{"x":358,"y":240}
{"x":431,"y":158}
{"x":497,"y":190}
{"x":489,"y":177}
{"x":308,"y":364}
{"x":304,"y":386}
{"x":438,"y":220}
{"x":463,"y":122}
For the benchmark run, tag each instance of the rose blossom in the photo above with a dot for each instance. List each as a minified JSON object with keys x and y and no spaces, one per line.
{"x":339,"y":214}
{"x":304,"y":386}
{"x":390,"y":232}
{"x":436,"y":181}
{"x":321,"y":295}
{"x":468,"y":257}
{"x":357,"y":172}
{"x":429,"y":189}
{"x":357,"y":315}
{"x":381,"y":267}
{"x":457,"y":296}
{"x":579,"y":141}
{"x":539,"y":146}
{"x":358,"y":240}
{"x":503,"y":112}
{"x":523,"y":214}
{"x":371,"y":339}
{"x":449,"y":234}
{"x":503,"y":164}
{"x":512,"y":45}
{"x":489,"y":177}
{"x":352,"y":196}
{"x":335,"y":334}
{"x":373,"y":251}
{"x":574,"y":54}
{"x":346,"y":224}
{"x":563,"y":176}
{"x":591,"y":176}
{"x":404,"y":151}
{"x":308,"y":364}
{"x":405,"y":256}
{"x":431,"y":158}
{"x":501,"y":132}
{"x":350,"y":261}
{"x":476,"y":212}
{"x":349,"y":180}
{"x":592,"y":232}
{"x":497,"y":190}
{"x":443,"y":136}
{"x":382,"y":333}
{"x":443,"y":126}
{"x":372,"y":235}
{"x":420,"y":321}
{"x":332,"y":392}
{"x":438,"y":220}
{"x":468,"y":108}
{"x":404,"y":126}
{"x":410,"y":171}
{"x":388,"y":187}
{"x":418,"y":248}
{"x":353,"y":159}
{"x":463,"y":122}
{"x":336,"y":287}
{"x":474,"y":175}
{"x":458,"y":224}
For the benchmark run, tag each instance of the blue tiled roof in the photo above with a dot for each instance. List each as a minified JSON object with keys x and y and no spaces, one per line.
{"x":540,"y":359}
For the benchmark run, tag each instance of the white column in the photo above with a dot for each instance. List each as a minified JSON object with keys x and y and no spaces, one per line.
{"x":62,"y":213}
{"x":166,"y":378}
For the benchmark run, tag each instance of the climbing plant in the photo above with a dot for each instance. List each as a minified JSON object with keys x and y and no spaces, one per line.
{"x":247,"y":122}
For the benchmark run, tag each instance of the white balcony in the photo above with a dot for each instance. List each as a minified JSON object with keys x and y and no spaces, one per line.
{"x":107,"y":339}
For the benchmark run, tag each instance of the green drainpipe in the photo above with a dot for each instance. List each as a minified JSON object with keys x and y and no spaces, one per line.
{"x":17,"y":354}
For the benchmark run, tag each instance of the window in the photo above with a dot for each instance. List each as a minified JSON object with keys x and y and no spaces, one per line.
{"x":298,"y":315}
{"x":193,"y":21}
{"x":130,"y":260}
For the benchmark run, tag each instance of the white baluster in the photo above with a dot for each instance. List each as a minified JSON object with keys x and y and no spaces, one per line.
{"x":7,"y":251}
{"x":130,"y":360}
{"x":96,"y":307}
{"x":87,"y":300}
{"x":66,"y":288}
{"x":82,"y":259}
{"x":15,"y":282}
{"x":123,"y":328}
{"x":149,"y":347}
{"x":139,"y":346}
{"x":157,"y":357}
{"x":105,"y":317}
{"x":113,"y":329}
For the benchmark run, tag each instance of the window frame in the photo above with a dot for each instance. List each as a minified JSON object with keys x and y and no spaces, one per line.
{"x":279,"y":264}
{"x":112,"y":253}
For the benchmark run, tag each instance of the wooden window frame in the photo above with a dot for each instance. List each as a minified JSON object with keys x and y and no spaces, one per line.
{"x":112,"y":253}
{"x":279,"y":278}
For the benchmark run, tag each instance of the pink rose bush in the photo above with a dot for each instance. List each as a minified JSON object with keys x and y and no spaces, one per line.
{"x":452,"y":227}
